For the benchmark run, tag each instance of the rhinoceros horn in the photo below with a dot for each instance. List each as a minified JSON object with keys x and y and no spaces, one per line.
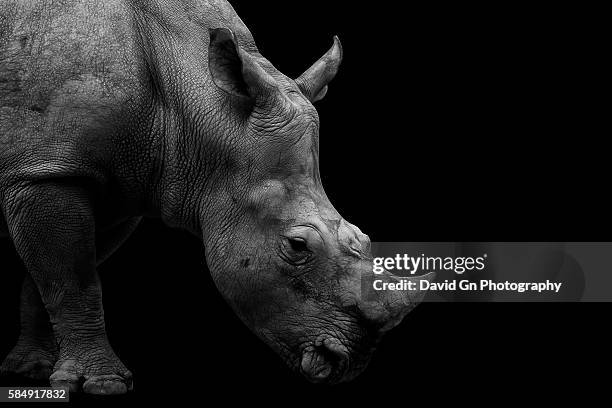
{"x":313,"y":82}
{"x":387,"y":308}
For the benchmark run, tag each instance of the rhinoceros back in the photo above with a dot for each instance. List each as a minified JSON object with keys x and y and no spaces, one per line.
{"x":67,"y":71}
{"x":70,"y":68}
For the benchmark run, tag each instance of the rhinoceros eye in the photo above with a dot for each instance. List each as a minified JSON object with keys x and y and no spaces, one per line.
{"x":295,"y":250}
{"x":298,"y":244}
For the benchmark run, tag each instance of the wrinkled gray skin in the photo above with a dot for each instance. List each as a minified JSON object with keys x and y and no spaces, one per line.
{"x":114,"y":110}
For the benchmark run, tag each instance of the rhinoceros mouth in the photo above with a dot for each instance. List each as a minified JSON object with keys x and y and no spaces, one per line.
{"x":326,"y":361}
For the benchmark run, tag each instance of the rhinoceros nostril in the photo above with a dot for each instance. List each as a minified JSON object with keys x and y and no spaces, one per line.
{"x":326,"y":361}
{"x":336,"y":349}
{"x":315,"y":366}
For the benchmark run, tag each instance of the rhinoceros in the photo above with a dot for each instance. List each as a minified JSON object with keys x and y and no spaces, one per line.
{"x":115,"y":110}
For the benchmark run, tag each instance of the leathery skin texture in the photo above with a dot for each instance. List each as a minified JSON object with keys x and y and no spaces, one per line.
{"x":115,"y":110}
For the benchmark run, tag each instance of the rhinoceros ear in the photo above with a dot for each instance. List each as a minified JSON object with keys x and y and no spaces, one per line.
{"x":313,"y":82}
{"x":233,"y":70}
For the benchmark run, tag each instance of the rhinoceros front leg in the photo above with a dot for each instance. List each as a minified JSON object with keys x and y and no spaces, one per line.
{"x":53,"y":229}
{"x":35,"y":353}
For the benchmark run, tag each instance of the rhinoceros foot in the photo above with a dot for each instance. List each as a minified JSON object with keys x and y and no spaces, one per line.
{"x":93,"y":370}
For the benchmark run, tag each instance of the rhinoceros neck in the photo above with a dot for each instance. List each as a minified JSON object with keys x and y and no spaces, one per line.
{"x":188,"y":130}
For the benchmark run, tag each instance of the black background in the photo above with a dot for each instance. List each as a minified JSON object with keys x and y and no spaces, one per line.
{"x":445,"y":123}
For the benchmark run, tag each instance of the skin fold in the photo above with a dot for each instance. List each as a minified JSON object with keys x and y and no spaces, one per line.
{"x":115,"y":110}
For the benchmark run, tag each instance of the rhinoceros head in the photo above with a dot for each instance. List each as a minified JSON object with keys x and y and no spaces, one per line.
{"x":290,"y":266}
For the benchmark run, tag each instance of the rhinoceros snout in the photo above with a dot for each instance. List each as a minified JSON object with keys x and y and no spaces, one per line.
{"x":325,"y":362}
